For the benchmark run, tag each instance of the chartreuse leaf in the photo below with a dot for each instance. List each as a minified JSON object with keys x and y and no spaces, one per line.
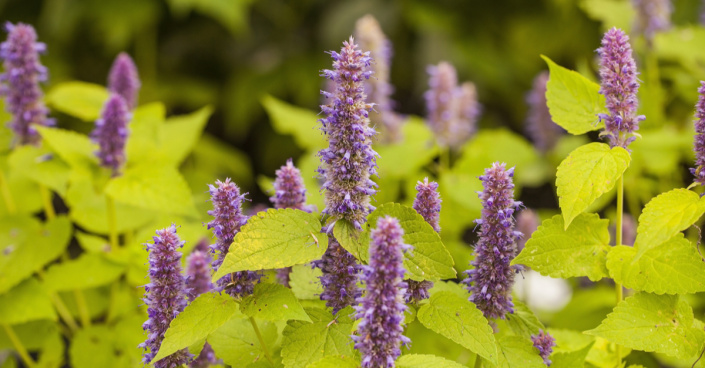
{"x":199,"y":319}
{"x":304,"y":282}
{"x":37,"y":164}
{"x":666,"y":215}
{"x":289,"y":119}
{"x":237,"y":344}
{"x":80,"y":99}
{"x":27,"y":247}
{"x":87,"y":271}
{"x":425,"y":361}
{"x":428,"y":259}
{"x":459,"y":320}
{"x":580,"y":250}
{"x":603,"y":353}
{"x":332,"y":361}
{"x":523,"y":321}
{"x":571,"y":348}
{"x":52,"y":355}
{"x":180,"y":134}
{"x":92,"y":347}
{"x":304,"y":343}
{"x":587,"y":173}
{"x":74,"y":148}
{"x":26,"y":302}
{"x":157,"y":188}
{"x":275,"y":239}
{"x":573,"y":100}
{"x":145,"y":132}
{"x":653,"y":323}
{"x":674,"y":267}
{"x":403,"y":158}
{"x":517,"y":352}
{"x":273,"y":302}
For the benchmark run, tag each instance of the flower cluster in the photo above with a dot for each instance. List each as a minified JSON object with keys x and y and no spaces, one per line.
{"x":111,"y":132}
{"x":428,"y":205}
{"x":652,"y":16}
{"x":539,"y":125}
{"x":490,"y":281}
{"x":228,"y":218}
{"x":124,"y":80}
{"x":165,"y":295}
{"x":544,"y":342}
{"x":20,"y":82}
{"x":619,"y":86}
{"x":381,"y":308}
{"x":699,"y":146}
{"x":339,"y":276}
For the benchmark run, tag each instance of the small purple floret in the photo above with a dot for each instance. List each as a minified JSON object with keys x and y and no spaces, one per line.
{"x":124,"y":80}
{"x":539,"y":124}
{"x":111,"y":133}
{"x":544,"y":342}
{"x":699,"y":144}
{"x":381,"y":308}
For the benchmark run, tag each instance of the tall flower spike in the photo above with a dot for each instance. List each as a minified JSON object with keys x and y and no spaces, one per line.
{"x":228,"y":218}
{"x":652,"y":16}
{"x":441,"y":101}
{"x":490,"y":281}
{"x":20,"y":82}
{"x":428,"y":205}
{"x":165,"y":295}
{"x":198,"y":281}
{"x":370,"y":37}
{"x":619,"y":86}
{"x":339,"y":271}
{"x":539,"y":124}
{"x":124,"y":80}
{"x":468,"y":112}
{"x":699,"y":144}
{"x":544,"y":342}
{"x":381,"y":308}
{"x":349,"y":160}
{"x":111,"y":132}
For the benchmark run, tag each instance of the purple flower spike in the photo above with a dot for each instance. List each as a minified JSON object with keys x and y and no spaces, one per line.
{"x":652,"y":16}
{"x":490,"y":282}
{"x":339,"y":276}
{"x":468,"y":112}
{"x":381,"y":309}
{"x":289,"y":189}
{"x":111,"y":132}
{"x":527,"y":222}
{"x":619,"y":85}
{"x":349,"y":160}
{"x":699,"y":144}
{"x":124,"y":80}
{"x":370,"y":37}
{"x":20,"y":82}
{"x":539,"y":125}
{"x":544,"y":342}
{"x":165,"y":295}
{"x":228,"y":218}
{"x":198,"y":281}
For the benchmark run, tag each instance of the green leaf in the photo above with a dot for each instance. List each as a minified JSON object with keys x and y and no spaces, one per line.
{"x":570,"y":359}
{"x":304,"y":282}
{"x":92,"y":347}
{"x":273,"y":302}
{"x":459,"y":320}
{"x":428,"y":260}
{"x":603,"y":353}
{"x":332,"y":361}
{"x":159,"y":188}
{"x":237,"y":344}
{"x":518,"y":352}
{"x":573,"y":100}
{"x":523,"y":321}
{"x":289,"y":119}
{"x":74,"y":148}
{"x":80,"y":99}
{"x":27,"y":247}
{"x":275,"y":239}
{"x":199,"y":319}
{"x":665,"y":216}
{"x":399,"y":160}
{"x":653,"y":323}
{"x":304,"y":343}
{"x":145,"y":133}
{"x":34,"y":335}
{"x":611,"y":13}
{"x":87,"y":271}
{"x":37,"y":165}
{"x":581,"y":250}
{"x":180,"y":134}
{"x":425,"y":361}
{"x":674,"y":267}
{"x":587,"y":173}
{"x":26,"y":302}
{"x":52,"y":355}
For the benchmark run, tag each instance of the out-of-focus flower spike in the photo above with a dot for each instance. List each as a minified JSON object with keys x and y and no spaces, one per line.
{"x":544,"y":342}
{"x":699,"y":143}
{"x":652,"y":16}
{"x":539,"y":125}
{"x":111,"y":133}
{"x":124,"y":80}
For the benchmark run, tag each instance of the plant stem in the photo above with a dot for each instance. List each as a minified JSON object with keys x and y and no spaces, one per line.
{"x":444,"y":159}
{"x":261,"y":340}
{"x":64,"y":312}
{"x":112,"y":226}
{"x":618,"y":231}
{"x":28,"y":361}
{"x":82,"y":308}
{"x":478,"y":361}
{"x":7,"y":195}
{"x":46,"y":201}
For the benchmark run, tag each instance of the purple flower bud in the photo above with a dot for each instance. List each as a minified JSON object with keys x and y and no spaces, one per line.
{"x":382,"y":307}
{"x":539,"y":125}
{"x":527,"y":222}
{"x":652,"y":16}
{"x":349,"y":160}
{"x":124,"y":80}
{"x":490,"y":282}
{"x":111,"y":132}
{"x":289,"y":189}
{"x":699,"y":144}
{"x":165,"y":295}
{"x":228,"y":218}
{"x":619,"y":86}
{"x":339,"y":276}
{"x":370,"y":37}
{"x":20,"y":82}
{"x":198,"y":281}
{"x":544,"y":342}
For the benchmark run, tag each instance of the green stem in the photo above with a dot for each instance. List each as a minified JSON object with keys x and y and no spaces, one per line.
{"x":28,"y":361}
{"x":478,"y":361}
{"x":64,"y":312}
{"x":45,"y":193}
{"x":618,"y":231}
{"x":82,"y":308}
{"x":7,"y":195}
{"x":112,"y":225}
{"x":261,"y":340}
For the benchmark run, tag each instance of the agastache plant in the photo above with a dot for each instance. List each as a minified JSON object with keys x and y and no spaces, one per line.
{"x":124,"y":80}
{"x":490,"y":281}
{"x":111,"y":133}
{"x":652,"y":16}
{"x":198,"y":281}
{"x":544,"y":342}
{"x":381,"y":308}
{"x":428,"y":204}
{"x":619,"y":85}
{"x":699,"y":144}
{"x":165,"y":295}
{"x":20,"y":82}
{"x":227,"y":221}
{"x":539,"y":125}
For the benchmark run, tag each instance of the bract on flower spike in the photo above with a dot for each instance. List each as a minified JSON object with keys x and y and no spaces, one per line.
{"x":165,"y":295}
{"x":619,"y":85}
{"x":124,"y":80}
{"x":490,"y":281}
{"x":198,"y":281}
{"x":544,"y":342}
{"x":428,"y":204}
{"x":381,"y":308}
{"x":110,"y":133}
{"x":539,"y":124}
{"x":228,"y":218}
{"x":20,"y":82}
{"x":699,"y":143}
{"x":652,"y":16}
